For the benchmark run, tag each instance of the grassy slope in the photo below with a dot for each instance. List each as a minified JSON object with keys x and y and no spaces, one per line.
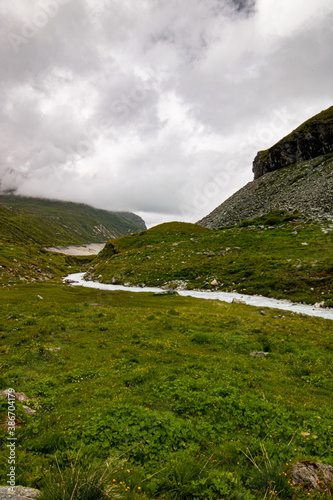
{"x":50,"y":222}
{"x":169,"y":381}
{"x":273,"y":257}
{"x":28,"y":224}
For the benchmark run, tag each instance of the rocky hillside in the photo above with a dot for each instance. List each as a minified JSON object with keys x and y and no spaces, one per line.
{"x":294,"y":175}
{"x":311,"y":139}
{"x":306,"y":187}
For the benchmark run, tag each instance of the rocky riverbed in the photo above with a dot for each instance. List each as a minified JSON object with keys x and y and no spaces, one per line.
{"x":77,"y":279}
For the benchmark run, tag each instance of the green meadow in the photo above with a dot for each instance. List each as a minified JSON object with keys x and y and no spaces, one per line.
{"x":278,"y":255}
{"x":140,"y":396}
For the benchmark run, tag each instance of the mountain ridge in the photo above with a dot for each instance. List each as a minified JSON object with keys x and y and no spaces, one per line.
{"x":311,"y":139}
{"x":44,"y":221}
{"x":304,"y":186}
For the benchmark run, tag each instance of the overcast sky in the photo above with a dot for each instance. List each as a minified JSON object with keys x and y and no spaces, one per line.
{"x":154,"y":106}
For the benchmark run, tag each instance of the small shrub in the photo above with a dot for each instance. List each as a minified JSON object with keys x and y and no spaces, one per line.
{"x":202,"y":338}
{"x":80,"y":482}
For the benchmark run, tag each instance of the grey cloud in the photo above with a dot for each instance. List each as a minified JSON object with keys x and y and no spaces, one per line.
{"x":156,"y":106}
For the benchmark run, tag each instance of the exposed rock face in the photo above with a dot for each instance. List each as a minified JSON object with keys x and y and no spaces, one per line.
{"x":313,"y":138}
{"x":306,"y":187}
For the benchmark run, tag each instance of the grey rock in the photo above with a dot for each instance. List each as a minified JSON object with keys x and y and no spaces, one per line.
{"x":28,"y":410}
{"x":312,"y":474}
{"x":238,"y":301}
{"x":19,"y":493}
{"x":19,"y":396}
{"x":258,"y":354}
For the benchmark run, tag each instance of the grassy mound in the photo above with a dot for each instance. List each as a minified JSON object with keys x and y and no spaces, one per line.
{"x":276,"y":255}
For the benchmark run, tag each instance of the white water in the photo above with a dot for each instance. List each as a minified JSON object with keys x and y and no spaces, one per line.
{"x":251,"y":300}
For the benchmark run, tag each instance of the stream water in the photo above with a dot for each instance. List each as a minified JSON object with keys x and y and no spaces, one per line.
{"x":252,"y":300}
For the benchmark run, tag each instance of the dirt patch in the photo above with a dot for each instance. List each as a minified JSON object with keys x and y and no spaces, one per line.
{"x":91,"y":249}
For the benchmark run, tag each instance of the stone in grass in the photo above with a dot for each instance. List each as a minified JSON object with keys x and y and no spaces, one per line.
{"x":19,"y":396}
{"x":19,"y":493}
{"x":166,"y":292}
{"x":28,"y":410}
{"x":258,"y":354}
{"x":238,"y":301}
{"x":313,"y":475}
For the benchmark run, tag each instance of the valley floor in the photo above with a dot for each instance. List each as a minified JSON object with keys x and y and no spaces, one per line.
{"x":164,"y":390}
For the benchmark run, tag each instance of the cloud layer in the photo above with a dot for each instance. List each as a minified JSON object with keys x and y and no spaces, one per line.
{"x":155,"y":106}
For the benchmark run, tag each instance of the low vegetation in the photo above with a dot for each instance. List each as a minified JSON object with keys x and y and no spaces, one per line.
{"x":137,"y":396}
{"x":140,"y":396}
{"x":278,"y":255}
{"x":51,"y":222}
{"x":30,"y":224}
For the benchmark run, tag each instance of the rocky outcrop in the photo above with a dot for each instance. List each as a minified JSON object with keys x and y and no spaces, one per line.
{"x":313,"y":475}
{"x":311,"y":139}
{"x":306,"y":187}
{"x":294,"y":175}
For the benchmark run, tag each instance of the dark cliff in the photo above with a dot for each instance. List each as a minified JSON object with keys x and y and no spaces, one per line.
{"x":311,"y":139}
{"x":296,"y":174}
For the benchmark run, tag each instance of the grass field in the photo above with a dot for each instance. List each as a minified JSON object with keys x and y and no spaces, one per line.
{"x":163,"y":389}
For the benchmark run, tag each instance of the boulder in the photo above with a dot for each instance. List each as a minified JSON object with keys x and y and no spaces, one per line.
{"x":238,"y":301}
{"x":19,"y":493}
{"x":28,"y":410}
{"x":313,"y":475}
{"x":19,"y":396}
